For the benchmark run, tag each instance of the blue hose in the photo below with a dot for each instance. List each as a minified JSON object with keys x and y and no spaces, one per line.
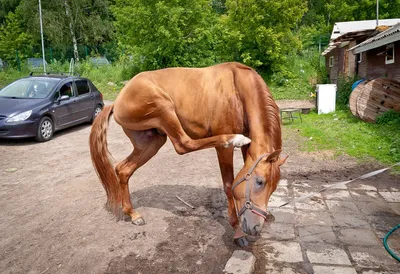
{"x":386,"y":245}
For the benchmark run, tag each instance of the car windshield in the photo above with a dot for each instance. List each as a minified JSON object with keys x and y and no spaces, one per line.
{"x":29,"y":88}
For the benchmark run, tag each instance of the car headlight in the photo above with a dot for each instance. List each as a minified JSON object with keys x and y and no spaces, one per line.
{"x":20,"y":117}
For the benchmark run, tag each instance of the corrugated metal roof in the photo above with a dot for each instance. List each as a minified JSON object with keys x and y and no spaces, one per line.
{"x":341,"y":28}
{"x":388,"y":36}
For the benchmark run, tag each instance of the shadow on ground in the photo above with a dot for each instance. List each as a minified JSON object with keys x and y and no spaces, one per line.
{"x":200,"y":240}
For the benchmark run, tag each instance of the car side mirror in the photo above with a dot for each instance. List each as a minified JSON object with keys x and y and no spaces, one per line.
{"x":63,"y":98}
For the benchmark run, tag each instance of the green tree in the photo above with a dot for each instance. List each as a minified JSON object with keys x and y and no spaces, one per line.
{"x":158,"y":34}
{"x":13,"y":38}
{"x":7,"y":6}
{"x":69,"y":23}
{"x":260,"y":33}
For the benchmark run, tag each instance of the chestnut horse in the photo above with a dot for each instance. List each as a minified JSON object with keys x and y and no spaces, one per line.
{"x":197,"y":108}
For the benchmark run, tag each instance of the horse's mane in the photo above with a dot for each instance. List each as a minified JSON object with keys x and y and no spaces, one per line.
{"x":268,"y":108}
{"x":271,"y":112}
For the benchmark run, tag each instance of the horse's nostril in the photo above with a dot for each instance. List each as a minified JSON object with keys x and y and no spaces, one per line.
{"x":244,"y":225}
{"x":256,"y":229}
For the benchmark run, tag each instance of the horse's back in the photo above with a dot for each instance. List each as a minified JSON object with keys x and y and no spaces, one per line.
{"x":206,"y":100}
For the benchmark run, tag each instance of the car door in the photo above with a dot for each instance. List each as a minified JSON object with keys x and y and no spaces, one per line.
{"x":63,"y":109}
{"x":85,"y":101}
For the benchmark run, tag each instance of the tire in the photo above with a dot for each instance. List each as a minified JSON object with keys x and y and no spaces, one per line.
{"x":45,"y":130}
{"x":96,"y":112}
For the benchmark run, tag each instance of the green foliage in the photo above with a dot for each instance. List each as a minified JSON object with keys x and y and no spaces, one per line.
{"x":260,"y":33}
{"x":89,"y":20}
{"x":390,"y":117}
{"x":13,"y":38}
{"x":344,"y":90}
{"x":345,"y":134}
{"x":299,"y":78}
{"x":166,"y":33}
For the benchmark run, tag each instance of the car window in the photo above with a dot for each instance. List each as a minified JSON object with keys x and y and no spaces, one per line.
{"x":66,"y":89}
{"x":34,"y":88}
{"x":82,"y":87}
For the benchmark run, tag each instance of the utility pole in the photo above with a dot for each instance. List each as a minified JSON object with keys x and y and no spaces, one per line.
{"x":377,"y":13}
{"x":41,"y":35}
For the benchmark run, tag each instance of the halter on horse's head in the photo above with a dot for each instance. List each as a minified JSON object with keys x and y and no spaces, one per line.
{"x":254,"y":189}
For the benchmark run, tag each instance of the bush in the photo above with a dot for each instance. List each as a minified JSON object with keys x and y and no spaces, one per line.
{"x":390,"y":117}
{"x":344,"y":90}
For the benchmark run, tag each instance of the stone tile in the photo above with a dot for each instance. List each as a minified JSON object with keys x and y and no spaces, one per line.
{"x":379,"y":272}
{"x":342,"y":187}
{"x":333,"y":270}
{"x":371,"y":257}
{"x":365,"y":196}
{"x":350,"y":220}
{"x":326,"y":254}
{"x":278,"y":231}
{"x":283,"y":182}
{"x":361,"y":186}
{"x":391,"y":196}
{"x":342,"y":206}
{"x":241,"y":262}
{"x":288,"y":252}
{"x":281,"y":191}
{"x":301,"y":191}
{"x":276,"y":201}
{"x":374,"y":208}
{"x":317,"y":233}
{"x":301,"y":184}
{"x":311,"y":204}
{"x":383,"y":224}
{"x":336,"y":195}
{"x":284,"y":215}
{"x":357,"y":236}
{"x":313,"y":218}
{"x":280,"y":269}
{"x":395,"y":207}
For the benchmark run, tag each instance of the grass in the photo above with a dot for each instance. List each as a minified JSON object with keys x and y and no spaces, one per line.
{"x":345,"y":134}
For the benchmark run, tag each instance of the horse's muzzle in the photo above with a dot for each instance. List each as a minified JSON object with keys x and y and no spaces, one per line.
{"x":252,"y":224}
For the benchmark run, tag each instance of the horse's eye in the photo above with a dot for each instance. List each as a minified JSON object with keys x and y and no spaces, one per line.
{"x":260,"y":181}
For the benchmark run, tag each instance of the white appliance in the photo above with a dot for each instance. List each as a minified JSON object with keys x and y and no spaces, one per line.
{"x":326,"y":98}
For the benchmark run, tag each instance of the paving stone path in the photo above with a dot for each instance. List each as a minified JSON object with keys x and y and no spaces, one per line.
{"x":338,"y":232}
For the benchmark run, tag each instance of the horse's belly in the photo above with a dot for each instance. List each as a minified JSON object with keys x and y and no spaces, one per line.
{"x":205,"y":123}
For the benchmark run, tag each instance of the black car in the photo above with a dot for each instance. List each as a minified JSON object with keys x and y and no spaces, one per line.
{"x":37,"y":106}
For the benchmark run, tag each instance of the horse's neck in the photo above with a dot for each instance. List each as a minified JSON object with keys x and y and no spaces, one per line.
{"x":263,"y":124}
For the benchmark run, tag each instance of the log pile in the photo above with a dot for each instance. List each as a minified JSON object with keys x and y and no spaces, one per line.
{"x":373,"y":98}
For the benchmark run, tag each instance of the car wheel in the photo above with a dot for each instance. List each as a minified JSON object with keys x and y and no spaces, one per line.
{"x":96,"y":112}
{"x":45,"y":130}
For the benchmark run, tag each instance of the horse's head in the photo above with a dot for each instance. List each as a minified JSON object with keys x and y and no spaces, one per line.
{"x":253,"y":187}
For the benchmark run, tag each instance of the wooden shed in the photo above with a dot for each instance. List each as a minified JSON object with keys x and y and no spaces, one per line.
{"x":340,"y":61}
{"x":379,"y":56}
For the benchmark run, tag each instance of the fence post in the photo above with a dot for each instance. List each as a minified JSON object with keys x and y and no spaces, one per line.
{"x":51,"y":54}
{"x":18,"y":61}
{"x":86,"y":51}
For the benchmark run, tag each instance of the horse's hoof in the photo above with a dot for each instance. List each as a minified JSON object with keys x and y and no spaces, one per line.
{"x":240,"y":140}
{"x":139,"y":221}
{"x":242,"y":241}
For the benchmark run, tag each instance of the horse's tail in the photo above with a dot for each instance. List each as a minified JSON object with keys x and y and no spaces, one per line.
{"x":102,"y":160}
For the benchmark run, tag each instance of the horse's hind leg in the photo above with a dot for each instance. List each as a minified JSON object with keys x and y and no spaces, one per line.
{"x":170,"y":124}
{"x":146,"y":145}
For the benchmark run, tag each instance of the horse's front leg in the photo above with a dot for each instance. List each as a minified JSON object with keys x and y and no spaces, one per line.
{"x":225,"y":159}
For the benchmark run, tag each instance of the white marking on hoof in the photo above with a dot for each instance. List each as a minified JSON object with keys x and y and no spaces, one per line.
{"x":239,"y":140}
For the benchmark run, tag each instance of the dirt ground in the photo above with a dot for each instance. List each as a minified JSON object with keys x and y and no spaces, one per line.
{"x":53,"y":220}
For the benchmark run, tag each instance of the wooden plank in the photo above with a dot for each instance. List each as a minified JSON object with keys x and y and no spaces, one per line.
{"x":375,"y":98}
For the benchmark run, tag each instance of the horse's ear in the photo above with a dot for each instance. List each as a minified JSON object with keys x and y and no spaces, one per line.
{"x":274,"y":156}
{"x":281,"y":161}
